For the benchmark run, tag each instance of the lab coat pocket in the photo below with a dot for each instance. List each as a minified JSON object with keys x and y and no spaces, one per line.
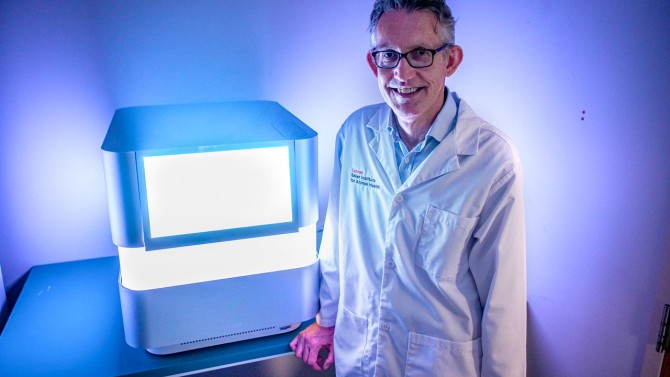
{"x":428,"y":356}
{"x":351,"y":333}
{"x":444,"y":236}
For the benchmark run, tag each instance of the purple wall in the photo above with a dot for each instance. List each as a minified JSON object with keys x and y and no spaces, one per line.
{"x":598,"y":188}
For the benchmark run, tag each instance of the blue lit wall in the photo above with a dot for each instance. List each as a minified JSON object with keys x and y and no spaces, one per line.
{"x":582,"y":88}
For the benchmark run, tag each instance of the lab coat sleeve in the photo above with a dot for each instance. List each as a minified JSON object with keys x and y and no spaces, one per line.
{"x":329,"y":292}
{"x":498,"y":263}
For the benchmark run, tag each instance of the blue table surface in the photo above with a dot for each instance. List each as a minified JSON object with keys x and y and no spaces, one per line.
{"x":67,"y":322}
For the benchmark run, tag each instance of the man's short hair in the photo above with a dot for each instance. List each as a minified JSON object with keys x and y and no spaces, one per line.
{"x":445,"y":20}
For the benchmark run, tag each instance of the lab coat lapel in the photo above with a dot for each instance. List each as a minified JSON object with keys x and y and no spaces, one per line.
{"x":381,"y":146}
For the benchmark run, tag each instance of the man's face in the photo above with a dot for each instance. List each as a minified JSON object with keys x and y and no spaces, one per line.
{"x":416,"y":95}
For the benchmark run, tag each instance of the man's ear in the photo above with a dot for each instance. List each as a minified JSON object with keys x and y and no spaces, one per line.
{"x":455,"y":59}
{"x":371,"y":63}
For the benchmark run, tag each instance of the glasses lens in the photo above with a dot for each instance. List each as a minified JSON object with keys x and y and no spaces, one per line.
{"x":420,"y":58}
{"x":387,"y":59}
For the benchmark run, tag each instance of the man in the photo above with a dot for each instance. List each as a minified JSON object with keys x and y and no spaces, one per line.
{"x":423,"y":251}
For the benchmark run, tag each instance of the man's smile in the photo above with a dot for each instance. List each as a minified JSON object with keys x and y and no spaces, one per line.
{"x":406,"y":90}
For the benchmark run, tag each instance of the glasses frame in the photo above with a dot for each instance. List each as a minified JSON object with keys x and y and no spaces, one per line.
{"x":404,"y":55}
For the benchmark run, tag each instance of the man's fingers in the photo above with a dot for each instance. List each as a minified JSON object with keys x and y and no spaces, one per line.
{"x":297,"y":345}
{"x":330,"y":359}
{"x":313,"y":358}
{"x":294,"y":343}
{"x":309,"y":358}
{"x":304,"y":354}
{"x":304,"y":351}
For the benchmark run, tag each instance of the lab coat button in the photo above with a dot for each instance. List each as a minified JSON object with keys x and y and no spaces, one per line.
{"x":398,"y":198}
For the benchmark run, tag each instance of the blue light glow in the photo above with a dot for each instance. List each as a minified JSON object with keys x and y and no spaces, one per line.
{"x":597,"y":188}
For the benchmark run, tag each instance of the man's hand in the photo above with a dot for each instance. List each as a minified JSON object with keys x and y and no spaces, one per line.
{"x":308,"y":345}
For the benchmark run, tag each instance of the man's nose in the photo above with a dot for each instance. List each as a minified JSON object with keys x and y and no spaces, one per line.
{"x":403,"y":70}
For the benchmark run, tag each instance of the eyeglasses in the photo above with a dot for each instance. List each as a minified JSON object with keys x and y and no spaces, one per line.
{"x":417,"y":58}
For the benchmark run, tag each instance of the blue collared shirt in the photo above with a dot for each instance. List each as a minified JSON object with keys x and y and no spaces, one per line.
{"x":406,"y":160}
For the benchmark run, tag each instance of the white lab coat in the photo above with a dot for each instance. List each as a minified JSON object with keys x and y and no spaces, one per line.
{"x":425,"y":278}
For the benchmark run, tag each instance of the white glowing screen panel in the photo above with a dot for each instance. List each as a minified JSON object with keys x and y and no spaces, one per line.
{"x":211,"y":191}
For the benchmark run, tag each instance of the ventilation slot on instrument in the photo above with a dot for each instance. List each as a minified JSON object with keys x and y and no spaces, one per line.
{"x":228,"y":335}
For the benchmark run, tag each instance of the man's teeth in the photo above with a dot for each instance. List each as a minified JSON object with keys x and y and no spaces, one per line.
{"x":407,"y":90}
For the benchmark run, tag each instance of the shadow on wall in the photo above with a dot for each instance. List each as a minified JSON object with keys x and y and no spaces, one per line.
{"x":10,"y":298}
{"x":3,"y":302}
{"x":540,"y":357}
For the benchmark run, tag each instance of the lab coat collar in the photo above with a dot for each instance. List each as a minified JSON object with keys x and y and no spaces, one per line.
{"x":381,"y":144}
{"x":466,"y":132}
